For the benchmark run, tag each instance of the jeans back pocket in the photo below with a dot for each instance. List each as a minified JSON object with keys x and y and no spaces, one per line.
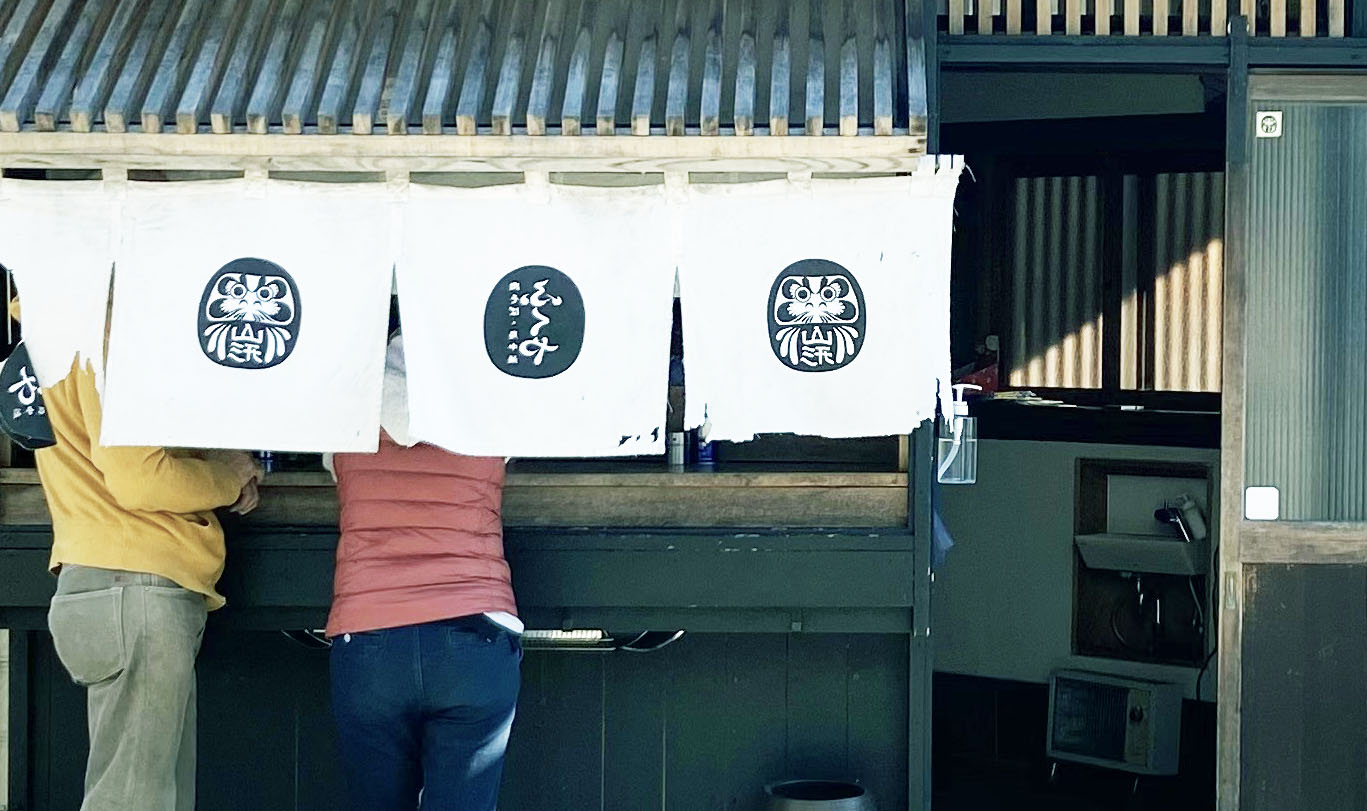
{"x":87,"y":631}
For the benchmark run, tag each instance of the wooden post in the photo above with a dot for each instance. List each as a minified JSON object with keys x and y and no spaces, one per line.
{"x":22,"y":95}
{"x":1103,"y":18}
{"x":59,"y":81}
{"x":883,"y":77}
{"x":266,"y":99}
{"x":643,"y":96}
{"x":921,"y":665}
{"x":1308,"y":22}
{"x":209,"y":63}
{"x":438,"y":101}
{"x":1132,"y":18}
{"x":1219,"y":17}
{"x":611,"y":80}
{"x":577,"y":77}
{"x":302,"y":95}
{"x":1013,"y":17}
{"x":849,"y":74}
{"x":1072,"y":23}
{"x":744,"y":115}
{"x":816,"y":69}
{"x":1228,"y":741}
{"x":510,"y":73}
{"x":929,"y":65}
{"x":985,"y":16}
{"x":342,"y":74}
{"x":372,"y":77}
{"x":1336,"y":18}
{"x":676,"y":95}
{"x":543,"y":75}
{"x":1190,"y":18}
{"x":1276,"y":18}
{"x":20,"y":668}
{"x":95,"y":87}
{"x":956,"y":16}
{"x":229,"y":103}
{"x":22,"y":26}
{"x":407,"y":81}
{"x":709,"y":113}
{"x":1160,"y":18}
{"x":780,"y":76}
{"x":1044,"y":17}
{"x":476,"y":71}
{"x":157,"y":105}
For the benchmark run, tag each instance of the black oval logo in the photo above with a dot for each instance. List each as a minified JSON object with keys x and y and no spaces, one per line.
{"x":534,"y":322}
{"x":816,"y":316}
{"x":249,"y":315}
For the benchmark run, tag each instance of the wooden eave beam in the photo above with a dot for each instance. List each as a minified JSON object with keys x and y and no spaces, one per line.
{"x":455,"y":153}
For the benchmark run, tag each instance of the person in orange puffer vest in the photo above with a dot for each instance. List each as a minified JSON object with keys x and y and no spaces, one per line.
{"x":426,"y":643}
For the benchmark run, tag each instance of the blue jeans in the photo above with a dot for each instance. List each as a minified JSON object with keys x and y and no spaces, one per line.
{"x":425,"y":711}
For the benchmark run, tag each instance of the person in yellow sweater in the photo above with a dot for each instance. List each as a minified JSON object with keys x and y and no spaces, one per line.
{"x":138,"y":552}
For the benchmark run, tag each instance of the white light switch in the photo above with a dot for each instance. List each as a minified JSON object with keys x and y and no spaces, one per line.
{"x":1262,"y":503}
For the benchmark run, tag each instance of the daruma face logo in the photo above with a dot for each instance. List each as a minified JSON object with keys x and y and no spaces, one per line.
{"x":816,"y":316}
{"x":249,"y":315}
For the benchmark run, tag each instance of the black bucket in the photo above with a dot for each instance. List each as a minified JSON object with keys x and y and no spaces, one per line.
{"x":817,"y":795}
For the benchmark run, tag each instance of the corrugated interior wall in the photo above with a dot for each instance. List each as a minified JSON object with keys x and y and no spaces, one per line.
{"x":1306,"y":422}
{"x":1188,"y":269}
{"x":1167,"y":276}
{"x":1056,"y":283}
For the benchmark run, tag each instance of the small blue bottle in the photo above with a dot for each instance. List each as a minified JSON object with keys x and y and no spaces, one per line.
{"x":706,"y":458}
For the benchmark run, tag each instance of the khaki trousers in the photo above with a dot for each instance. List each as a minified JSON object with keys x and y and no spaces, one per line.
{"x":131,"y":640}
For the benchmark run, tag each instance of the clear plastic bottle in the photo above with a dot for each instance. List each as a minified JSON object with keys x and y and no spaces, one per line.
{"x":957,"y":453}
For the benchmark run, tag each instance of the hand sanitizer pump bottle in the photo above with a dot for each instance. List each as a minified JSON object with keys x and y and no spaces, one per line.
{"x":957,"y":453}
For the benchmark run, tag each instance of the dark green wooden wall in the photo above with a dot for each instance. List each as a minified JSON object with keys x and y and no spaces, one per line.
{"x":701,"y":724}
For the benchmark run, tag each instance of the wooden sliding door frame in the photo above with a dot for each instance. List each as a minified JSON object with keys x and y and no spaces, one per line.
{"x":1245,"y":543}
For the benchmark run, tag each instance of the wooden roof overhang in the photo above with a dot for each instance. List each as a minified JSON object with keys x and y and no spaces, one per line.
{"x":462,"y":85}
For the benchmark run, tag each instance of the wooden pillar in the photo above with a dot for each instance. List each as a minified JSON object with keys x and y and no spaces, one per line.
{"x":921,"y":666}
{"x":1229,"y":610}
{"x":923,"y":71}
{"x":19,"y":789}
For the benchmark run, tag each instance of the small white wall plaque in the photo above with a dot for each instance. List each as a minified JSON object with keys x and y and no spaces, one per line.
{"x":1268,"y":123}
{"x":1262,"y":503}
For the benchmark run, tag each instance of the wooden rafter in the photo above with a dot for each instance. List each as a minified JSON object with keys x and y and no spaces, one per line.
{"x":466,"y":67}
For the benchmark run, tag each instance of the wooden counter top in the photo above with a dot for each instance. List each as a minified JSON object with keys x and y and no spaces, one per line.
{"x":626,"y":499}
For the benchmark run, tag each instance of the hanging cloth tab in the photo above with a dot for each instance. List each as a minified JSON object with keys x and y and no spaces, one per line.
{"x":23,"y":415}
{"x":817,"y":307}
{"x":542,"y":328}
{"x":250,"y":314}
{"x":58,"y":238}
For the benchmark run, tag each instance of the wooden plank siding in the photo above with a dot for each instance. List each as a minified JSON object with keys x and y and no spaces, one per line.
{"x":440,"y":67}
{"x":1160,"y":18}
{"x":1304,"y":703}
{"x":705,"y":722}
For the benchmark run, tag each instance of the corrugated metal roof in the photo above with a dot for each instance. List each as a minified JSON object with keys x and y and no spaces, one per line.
{"x":459,"y":66}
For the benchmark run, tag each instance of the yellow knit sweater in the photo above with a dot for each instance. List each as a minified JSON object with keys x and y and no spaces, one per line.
{"x":133,"y":508}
